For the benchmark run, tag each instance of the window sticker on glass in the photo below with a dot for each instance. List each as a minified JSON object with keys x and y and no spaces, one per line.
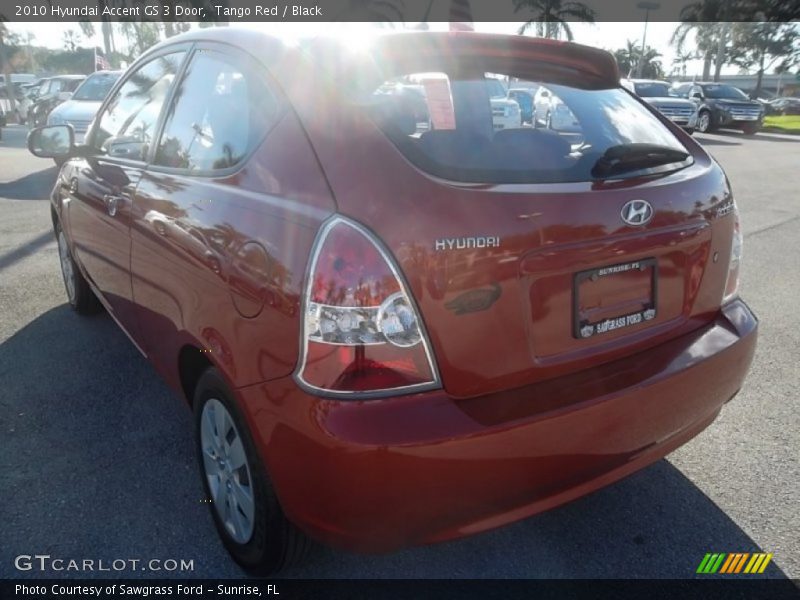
{"x":440,"y":102}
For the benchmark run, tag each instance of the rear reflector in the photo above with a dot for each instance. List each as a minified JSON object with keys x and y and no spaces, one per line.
{"x":362,"y":334}
{"x":732,"y":283}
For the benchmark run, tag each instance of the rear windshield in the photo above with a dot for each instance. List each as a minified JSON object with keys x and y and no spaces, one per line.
{"x":464,"y":126}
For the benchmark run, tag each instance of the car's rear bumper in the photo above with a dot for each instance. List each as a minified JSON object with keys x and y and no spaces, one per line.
{"x":382,"y":474}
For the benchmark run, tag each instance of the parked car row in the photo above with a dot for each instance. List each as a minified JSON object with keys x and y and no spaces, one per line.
{"x":783,"y":106}
{"x":701,"y":105}
{"x":37,"y":100}
{"x":722,"y":105}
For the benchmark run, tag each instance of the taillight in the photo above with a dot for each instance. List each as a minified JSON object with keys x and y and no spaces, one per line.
{"x":732,"y":283}
{"x":362,"y":333}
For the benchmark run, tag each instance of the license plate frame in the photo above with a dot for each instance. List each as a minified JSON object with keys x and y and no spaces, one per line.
{"x":583,"y":329}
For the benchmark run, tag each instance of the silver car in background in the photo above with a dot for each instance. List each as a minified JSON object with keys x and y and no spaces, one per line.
{"x":80,"y":109}
{"x":658,"y":94}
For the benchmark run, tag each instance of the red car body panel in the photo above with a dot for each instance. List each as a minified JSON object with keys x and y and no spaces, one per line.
{"x":231,"y":283}
{"x":377,"y":476}
{"x":528,"y":416}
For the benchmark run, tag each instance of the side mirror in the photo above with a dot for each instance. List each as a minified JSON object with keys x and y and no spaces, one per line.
{"x":697,"y":95}
{"x":53,"y":141}
{"x":64,"y":96}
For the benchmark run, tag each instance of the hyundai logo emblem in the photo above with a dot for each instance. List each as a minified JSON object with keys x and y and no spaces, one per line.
{"x":637,"y":212}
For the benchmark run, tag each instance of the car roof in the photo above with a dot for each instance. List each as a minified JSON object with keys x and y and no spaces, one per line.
{"x":595,"y":66}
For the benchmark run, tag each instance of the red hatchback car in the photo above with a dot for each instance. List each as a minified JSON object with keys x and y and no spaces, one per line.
{"x":396,"y":323}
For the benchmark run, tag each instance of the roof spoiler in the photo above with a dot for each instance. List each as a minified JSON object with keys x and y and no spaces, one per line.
{"x":580,"y":65}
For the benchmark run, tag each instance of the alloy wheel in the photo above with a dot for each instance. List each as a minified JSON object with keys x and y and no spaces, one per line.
{"x":227,"y":471}
{"x":703,"y":122}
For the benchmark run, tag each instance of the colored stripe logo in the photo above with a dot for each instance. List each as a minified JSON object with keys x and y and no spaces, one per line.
{"x":733,"y":563}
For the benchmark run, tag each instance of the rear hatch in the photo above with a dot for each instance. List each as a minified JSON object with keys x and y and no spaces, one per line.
{"x":531,"y":253}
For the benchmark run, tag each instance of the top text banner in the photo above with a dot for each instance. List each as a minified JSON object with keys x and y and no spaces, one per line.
{"x":407,"y":12}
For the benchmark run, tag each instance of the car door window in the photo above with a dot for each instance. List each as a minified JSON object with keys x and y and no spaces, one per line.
{"x":223,"y":107}
{"x":128,"y":123}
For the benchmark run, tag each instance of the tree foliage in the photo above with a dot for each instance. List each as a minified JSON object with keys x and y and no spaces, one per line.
{"x":765,"y":46}
{"x":628,"y":57}
{"x":551,"y":17}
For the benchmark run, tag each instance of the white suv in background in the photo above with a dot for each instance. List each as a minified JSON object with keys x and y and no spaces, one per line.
{"x":506,"y":113}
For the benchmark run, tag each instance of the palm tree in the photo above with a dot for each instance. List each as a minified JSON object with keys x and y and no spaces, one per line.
{"x":5,"y":63}
{"x":704,"y":41}
{"x":71,"y":40}
{"x":628,"y":58}
{"x":709,"y":19}
{"x":551,"y":16}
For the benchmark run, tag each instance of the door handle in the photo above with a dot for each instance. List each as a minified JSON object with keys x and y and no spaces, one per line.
{"x":113,"y":202}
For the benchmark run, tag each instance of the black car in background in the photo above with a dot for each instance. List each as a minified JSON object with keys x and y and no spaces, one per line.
{"x":52,"y":92}
{"x":722,"y":105}
{"x":783,"y":106}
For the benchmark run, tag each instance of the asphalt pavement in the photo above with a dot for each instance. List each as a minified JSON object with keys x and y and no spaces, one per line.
{"x":97,"y":457}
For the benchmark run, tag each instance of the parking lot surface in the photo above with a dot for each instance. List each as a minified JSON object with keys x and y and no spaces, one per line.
{"x":98,"y":462}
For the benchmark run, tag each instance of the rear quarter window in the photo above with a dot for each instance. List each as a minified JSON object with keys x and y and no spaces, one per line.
{"x":222,"y":109}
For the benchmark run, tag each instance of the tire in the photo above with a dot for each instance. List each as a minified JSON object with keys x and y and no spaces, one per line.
{"x":750,"y":129}
{"x":267,"y":541}
{"x":704,"y":122}
{"x":80,"y":296}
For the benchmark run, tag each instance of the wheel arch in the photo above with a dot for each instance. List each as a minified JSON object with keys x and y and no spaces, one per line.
{"x":192,"y":363}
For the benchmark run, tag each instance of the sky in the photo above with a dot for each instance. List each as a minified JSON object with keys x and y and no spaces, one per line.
{"x":608,"y":35}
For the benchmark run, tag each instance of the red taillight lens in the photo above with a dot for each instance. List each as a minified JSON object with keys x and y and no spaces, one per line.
{"x":732,"y":283}
{"x":362,"y":333}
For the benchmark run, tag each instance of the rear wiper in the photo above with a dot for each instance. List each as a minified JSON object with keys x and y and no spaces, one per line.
{"x":632,"y":157}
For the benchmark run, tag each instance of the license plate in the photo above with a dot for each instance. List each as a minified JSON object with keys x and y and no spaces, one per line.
{"x":614,"y":297}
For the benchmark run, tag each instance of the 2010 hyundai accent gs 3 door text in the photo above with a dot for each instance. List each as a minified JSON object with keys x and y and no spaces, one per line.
{"x":397,"y":323}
